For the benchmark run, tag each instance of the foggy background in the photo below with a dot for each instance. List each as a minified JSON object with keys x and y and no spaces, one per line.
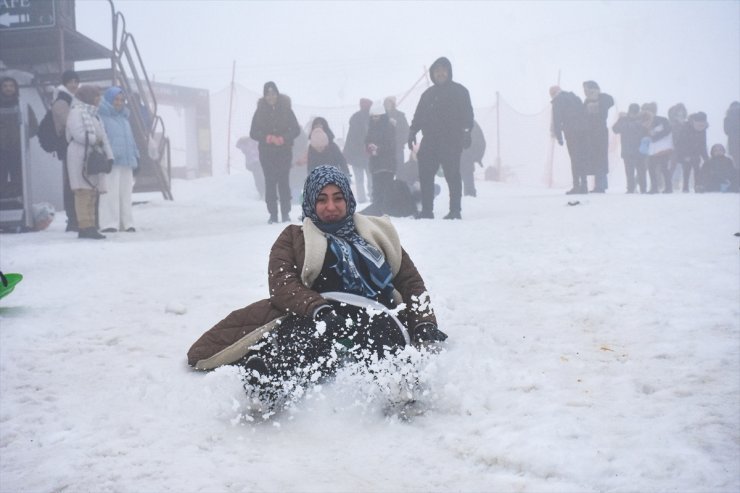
{"x":327,"y":55}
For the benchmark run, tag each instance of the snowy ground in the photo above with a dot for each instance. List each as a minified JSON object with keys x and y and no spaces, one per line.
{"x":592,"y":348}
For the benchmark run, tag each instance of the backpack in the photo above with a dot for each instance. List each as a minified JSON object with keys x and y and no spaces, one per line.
{"x":47,"y":133}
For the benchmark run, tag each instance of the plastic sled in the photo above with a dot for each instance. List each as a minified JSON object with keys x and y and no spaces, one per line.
{"x":8,"y":282}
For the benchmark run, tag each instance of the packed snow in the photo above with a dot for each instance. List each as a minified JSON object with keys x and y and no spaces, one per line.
{"x":593,"y":347}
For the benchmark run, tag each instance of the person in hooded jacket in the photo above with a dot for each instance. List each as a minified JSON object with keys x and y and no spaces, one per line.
{"x":275,"y":127}
{"x":295,"y":332}
{"x":114,"y":207}
{"x":718,"y":173}
{"x":631,"y":131}
{"x":322,"y":149}
{"x":444,"y":115}
{"x":690,"y":147}
{"x":11,"y":165}
{"x":85,"y":131}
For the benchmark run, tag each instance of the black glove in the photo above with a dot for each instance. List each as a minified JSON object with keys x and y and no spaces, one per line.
{"x":467,"y":139}
{"x":412,"y":140}
{"x":427,"y":332}
{"x":335,"y":324}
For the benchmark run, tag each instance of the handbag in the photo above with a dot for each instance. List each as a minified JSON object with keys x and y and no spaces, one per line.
{"x":96,"y":162}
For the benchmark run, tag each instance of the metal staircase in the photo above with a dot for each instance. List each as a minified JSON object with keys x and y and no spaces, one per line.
{"x":155,"y":164}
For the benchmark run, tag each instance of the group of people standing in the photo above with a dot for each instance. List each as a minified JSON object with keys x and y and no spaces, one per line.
{"x":84,"y":120}
{"x":374,"y":147}
{"x":651,"y":145}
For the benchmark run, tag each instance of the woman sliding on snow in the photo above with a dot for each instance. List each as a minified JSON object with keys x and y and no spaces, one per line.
{"x":341,"y":282}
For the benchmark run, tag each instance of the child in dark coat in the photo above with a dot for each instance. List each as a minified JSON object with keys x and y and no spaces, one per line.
{"x":322,"y":149}
{"x":719,"y":173}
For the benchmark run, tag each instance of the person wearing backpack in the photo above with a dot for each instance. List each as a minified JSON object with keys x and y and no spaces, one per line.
{"x":60,"y":111}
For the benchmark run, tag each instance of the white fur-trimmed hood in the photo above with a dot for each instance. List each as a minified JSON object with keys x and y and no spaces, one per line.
{"x":378,"y":231}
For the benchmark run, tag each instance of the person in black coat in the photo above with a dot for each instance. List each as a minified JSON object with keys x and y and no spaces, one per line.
{"x":690,"y":148}
{"x":596,"y":106}
{"x":569,"y":121}
{"x":322,"y":149}
{"x":631,"y":131}
{"x":445,"y":117}
{"x":381,"y":147}
{"x":354,"y":148}
{"x":274,"y":127}
{"x":400,"y":125}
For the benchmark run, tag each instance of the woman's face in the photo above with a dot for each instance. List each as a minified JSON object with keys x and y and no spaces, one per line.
{"x":8,"y":88}
{"x":271,"y":97}
{"x":119,"y":101}
{"x":331,"y":206}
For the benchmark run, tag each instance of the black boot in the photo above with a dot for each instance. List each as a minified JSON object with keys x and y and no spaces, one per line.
{"x":91,"y":234}
{"x":453,"y":215}
{"x":273,"y":219}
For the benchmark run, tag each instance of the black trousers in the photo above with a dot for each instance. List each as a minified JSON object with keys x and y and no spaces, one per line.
{"x":276,"y":169}
{"x":432,"y":155}
{"x":299,"y":349}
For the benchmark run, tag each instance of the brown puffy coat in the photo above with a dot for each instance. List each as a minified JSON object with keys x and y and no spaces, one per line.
{"x":296,"y":260}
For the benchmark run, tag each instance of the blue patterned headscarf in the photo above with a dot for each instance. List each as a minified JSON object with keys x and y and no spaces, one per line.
{"x":344,"y":241}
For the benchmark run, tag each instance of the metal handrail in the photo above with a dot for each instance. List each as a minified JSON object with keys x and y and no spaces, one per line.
{"x":125,"y":48}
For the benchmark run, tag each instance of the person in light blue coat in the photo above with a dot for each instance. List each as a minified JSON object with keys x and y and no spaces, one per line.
{"x":115,"y":206}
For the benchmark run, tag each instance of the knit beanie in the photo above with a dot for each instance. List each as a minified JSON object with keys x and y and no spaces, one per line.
{"x":365,"y":104}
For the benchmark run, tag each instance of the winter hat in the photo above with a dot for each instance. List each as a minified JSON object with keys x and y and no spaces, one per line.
{"x":111,"y":93}
{"x":365,"y":104}
{"x":634,"y":109}
{"x":87,"y":94}
{"x":390,"y":101}
{"x":69,"y":75}
{"x":317,"y":179}
{"x":377,"y":109}
{"x":589,"y":84}
{"x":319,"y":140}
{"x":269,"y":85}
{"x":554,"y":91}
